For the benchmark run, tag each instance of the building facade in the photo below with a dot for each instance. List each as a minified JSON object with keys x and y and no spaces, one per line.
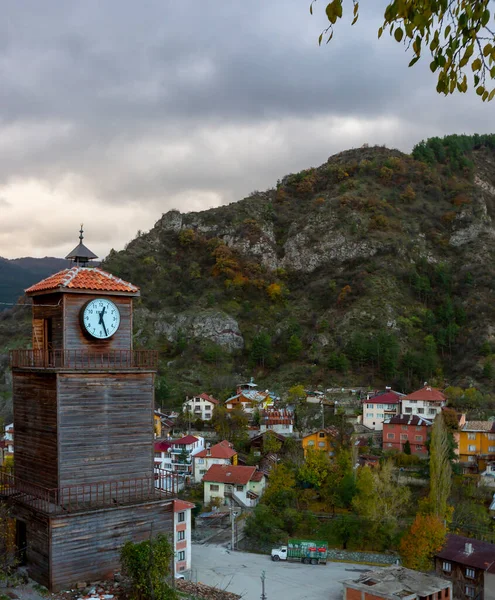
{"x":322,"y":440}
{"x":426,"y":403}
{"x":401,"y":429}
{"x":280,"y":421}
{"x":234,"y":485}
{"x":470,"y":565}
{"x":200,"y":406}
{"x":222,"y":453}
{"x":182,"y":536}
{"x":476,"y":445}
{"x":380,"y":407}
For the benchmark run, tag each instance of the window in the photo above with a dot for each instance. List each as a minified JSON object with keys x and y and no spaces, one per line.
{"x":181,"y":517}
{"x":321,"y":444}
{"x":369,"y":415}
{"x":470,"y":573}
{"x":404,"y":427}
{"x":471,"y":458}
{"x":369,"y":406}
{"x":491,"y":448}
{"x":432,"y":411}
{"x":419,"y":447}
{"x":408,"y":410}
{"x":470,"y":591}
{"x":379,"y":406}
{"x":380,"y":416}
{"x":418,"y":438}
{"x":311,"y":443}
{"x":403,"y":436}
{"x":418,"y":427}
{"x":421,"y":411}
{"x":201,"y":461}
{"x":181,"y":535}
{"x":181,"y":555}
{"x":390,"y":436}
{"x":214,"y":487}
{"x":491,"y":436}
{"x":321,"y":434}
{"x":239,"y":488}
{"x":446,"y":566}
{"x":389,"y":445}
{"x":202,"y":471}
{"x":471,"y":436}
{"x":472,"y":448}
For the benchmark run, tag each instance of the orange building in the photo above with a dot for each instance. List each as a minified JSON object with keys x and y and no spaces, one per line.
{"x":322,"y":439}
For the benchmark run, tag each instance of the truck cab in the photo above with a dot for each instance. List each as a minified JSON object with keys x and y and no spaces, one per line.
{"x":279,"y":553}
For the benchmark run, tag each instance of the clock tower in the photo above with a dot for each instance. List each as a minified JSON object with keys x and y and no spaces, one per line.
{"x":84,"y":481}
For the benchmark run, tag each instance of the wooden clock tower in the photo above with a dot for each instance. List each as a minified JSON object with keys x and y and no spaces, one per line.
{"x":83,"y":481}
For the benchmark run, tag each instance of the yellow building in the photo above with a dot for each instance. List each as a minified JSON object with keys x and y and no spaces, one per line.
{"x":322,"y":439}
{"x":476,"y":444}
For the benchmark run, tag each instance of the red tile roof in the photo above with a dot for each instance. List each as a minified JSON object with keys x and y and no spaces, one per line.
{"x":180,"y":505}
{"x":208,"y":398}
{"x":428,"y":393}
{"x":223,"y":449}
{"x":235,"y":475}
{"x":276,"y":417}
{"x":162,"y":446}
{"x":481,"y":555}
{"x":83,"y":278}
{"x":185,"y":441}
{"x":386,"y":398}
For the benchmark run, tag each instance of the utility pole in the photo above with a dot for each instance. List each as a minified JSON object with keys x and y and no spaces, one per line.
{"x":263,"y":595}
{"x":233,"y":515}
{"x":322,"y":415}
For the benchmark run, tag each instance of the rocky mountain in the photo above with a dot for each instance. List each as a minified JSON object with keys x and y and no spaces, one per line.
{"x":374,"y":268}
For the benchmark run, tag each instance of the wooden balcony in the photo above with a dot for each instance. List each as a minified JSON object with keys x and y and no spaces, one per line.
{"x":84,"y":359}
{"x":88,"y":496}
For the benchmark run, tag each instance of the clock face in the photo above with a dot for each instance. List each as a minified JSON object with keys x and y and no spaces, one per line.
{"x":100,"y":318}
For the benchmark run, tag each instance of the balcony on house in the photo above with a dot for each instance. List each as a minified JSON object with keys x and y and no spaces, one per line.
{"x":91,"y":360}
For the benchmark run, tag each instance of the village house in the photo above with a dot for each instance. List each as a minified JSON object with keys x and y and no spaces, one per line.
{"x":200,"y":406}
{"x":406,"y":428}
{"x":397,"y":583}
{"x":222,"y":453}
{"x":182,"y":535}
{"x":176,"y":455}
{"x":322,"y":440}
{"x":230,"y":484}
{"x":256,"y":444}
{"x":487,"y":477}
{"x":426,"y":402}
{"x":9,"y":438}
{"x":476,"y":445}
{"x":280,"y":421}
{"x":383,"y":405}
{"x":470,"y":565}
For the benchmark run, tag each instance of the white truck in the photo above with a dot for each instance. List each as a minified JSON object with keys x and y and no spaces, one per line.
{"x":309,"y":552}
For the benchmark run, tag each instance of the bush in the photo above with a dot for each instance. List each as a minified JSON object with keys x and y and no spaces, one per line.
{"x":147,"y":564}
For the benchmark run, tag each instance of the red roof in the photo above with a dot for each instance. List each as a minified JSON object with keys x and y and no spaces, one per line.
{"x":385,"y":398}
{"x":205,"y":396}
{"x":276,"y":417}
{"x":180,"y":505}
{"x":83,"y":278}
{"x":162,"y":446}
{"x":428,"y":393}
{"x":185,"y":441}
{"x":223,"y":449}
{"x":236,"y":475}
{"x":413,"y":420}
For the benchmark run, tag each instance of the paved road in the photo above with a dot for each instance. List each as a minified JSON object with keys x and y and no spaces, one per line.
{"x":240,"y":572}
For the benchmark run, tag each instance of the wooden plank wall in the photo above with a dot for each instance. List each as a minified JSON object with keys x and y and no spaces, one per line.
{"x":37,"y":542}
{"x":75,"y":339}
{"x":105,"y":426}
{"x":35,"y":427}
{"x":49,"y":306}
{"x":86,"y":547}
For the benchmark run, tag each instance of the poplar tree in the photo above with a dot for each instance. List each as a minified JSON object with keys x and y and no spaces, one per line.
{"x":440,"y":468}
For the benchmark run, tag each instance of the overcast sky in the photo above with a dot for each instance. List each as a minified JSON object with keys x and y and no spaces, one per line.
{"x":112,"y":113}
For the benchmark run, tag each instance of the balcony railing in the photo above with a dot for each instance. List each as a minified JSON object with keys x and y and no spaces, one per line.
{"x":83,"y":359}
{"x":74,"y":498}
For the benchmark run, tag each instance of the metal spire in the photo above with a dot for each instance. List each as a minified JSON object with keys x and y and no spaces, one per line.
{"x":81,"y":255}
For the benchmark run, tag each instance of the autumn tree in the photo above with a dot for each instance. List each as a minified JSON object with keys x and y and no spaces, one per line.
{"x":458,"y":35}
{"x":422,"y":541}
{"x":239,"y":423}
{"x":271,"y":445}
{"x":296,"y":394}
{"x":440,"y":468}
{"x":220,"y":421}
{"x":280,"y":492}
{"x":315,"y":468}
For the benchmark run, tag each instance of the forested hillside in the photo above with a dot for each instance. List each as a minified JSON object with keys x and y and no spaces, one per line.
{"x":374,"y":268}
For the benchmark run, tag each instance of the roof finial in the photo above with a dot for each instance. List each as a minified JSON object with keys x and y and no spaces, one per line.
{"x":81,"y":255}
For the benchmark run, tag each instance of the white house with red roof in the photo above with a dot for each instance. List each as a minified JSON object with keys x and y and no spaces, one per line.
{"x":222,"y":453}
{"x":232,"y":484}
{"x":200,"y":406}
{"x":379,"y":407}
{"x":177,"y":455}
{"x":280,"y":421}
{"x":182,"y":536}
{"x":426,"y":402}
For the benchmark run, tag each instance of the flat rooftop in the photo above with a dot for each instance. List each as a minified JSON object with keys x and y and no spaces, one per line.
{"x":397,"y":582}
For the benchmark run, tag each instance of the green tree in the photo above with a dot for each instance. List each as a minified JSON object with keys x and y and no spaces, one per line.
{"x":296,"y":394}
{"x":407,"y":448}
{"x":220,"y":421}
{"x":440,"y":469}
{"x":271,"y":445}
{"x":261,"y":349}
{"x":294,"y":348}
{"x":458,"y":35}
{"x":315,"y":469}
{"x":264,"y":525}
{"x":239,"y":424}
{"x":347,"y":528}
{"x":280,"y":492}
{"x":147,"y":564}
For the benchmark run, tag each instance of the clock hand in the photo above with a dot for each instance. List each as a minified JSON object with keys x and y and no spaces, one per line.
{"x":102,"y":322}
